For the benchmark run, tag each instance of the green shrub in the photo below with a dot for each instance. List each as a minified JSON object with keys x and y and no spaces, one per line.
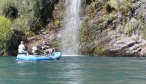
{"x":43,"y":9}
{"x":10,"y":11}
{"x":57,"y":22}
{"x":99,"y":51}
{"x":121,"y":5}
{"x":6,"y":32}
{"x":92,"y":11}
{"x":88,"y":33}
{"x":84,"y":31}
{"x":133,"y":26}
{"x":35,"y":24}
{"x":36,"y":9}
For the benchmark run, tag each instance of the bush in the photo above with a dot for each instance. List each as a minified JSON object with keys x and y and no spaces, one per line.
{"x":57,"y":22}
{"x":35,"y":24}
{"x":100,"y":51}
{"x":84,"y":31}
{"x":121,"y":5}
{"x":134,"y":27}
{"x":10,"y":11}
{"x":6,"y":32}
{"x":43,"y":10}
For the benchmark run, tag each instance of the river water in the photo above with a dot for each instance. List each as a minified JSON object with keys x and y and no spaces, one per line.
{"x":74,"y":70}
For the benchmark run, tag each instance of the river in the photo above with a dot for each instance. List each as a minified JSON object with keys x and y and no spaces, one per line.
{"x":74,"y":70}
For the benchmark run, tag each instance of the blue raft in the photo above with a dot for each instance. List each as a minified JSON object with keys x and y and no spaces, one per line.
{"x":54,"y":56}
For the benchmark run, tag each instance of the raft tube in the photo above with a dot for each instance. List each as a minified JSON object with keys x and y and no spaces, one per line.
{"x":54,"y":56}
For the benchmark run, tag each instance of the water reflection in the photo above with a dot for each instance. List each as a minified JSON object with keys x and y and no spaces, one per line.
{"x":72,"y":74}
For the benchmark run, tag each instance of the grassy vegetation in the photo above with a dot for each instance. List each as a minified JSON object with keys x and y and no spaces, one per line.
{"x":99,"y":51}
{"x":84,"y":32}
{"x":133,"y":26}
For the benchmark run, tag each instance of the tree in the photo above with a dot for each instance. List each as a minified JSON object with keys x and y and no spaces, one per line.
{"x":6,"y":32}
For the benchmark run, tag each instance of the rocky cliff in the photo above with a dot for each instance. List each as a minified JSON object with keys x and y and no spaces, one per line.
{"x":114,"y":27}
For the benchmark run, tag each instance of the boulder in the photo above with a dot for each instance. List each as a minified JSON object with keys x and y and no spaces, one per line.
{"x":143,"y":51}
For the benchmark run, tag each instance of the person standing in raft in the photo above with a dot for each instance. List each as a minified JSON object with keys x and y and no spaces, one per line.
{"x":21,"y":48}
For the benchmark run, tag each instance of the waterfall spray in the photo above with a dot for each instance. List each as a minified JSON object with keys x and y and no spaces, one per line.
{"x":70,"y":33}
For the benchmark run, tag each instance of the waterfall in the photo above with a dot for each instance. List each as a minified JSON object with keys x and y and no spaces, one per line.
{"x":70,"y":33}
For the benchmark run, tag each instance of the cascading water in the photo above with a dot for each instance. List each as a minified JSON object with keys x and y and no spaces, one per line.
{"x":70,"y":34}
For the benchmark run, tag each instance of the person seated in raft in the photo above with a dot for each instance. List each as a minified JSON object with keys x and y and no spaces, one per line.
{"x":34,"y":50}
{"x":53,"y":50}
{"x":21,"y":48}
{"x":49,"y":51}
{"x":44,"y":46}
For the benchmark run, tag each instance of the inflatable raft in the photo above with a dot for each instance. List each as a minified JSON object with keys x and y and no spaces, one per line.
{"x":54,"y":56}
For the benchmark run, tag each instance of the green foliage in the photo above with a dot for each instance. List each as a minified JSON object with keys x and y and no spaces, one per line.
{"x":57,"y":22}
{"x":92,"y":11}
{"x":6,"y":32}
{"x":84,"y":31}
{"x":87,"y":33}
{"x":35,"y":24}
{"x":36,"y":9}
{"x":133,"y":26}
{"x":99,"y":51}
{"x":10,"y":11}
{"x":43,"y":14}
{"x":121,"y":5}
{"x":43,"y":9}
{"x":109,"y":17}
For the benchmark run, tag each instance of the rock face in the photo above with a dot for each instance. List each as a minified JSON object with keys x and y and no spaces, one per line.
{"x":127,"y":46}
{"x":112,"y":29}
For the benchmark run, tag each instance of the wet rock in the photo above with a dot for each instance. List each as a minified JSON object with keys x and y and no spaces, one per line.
{"x":128,"y":46}
{"x":143,"y":51}
{"x":44,"y":33}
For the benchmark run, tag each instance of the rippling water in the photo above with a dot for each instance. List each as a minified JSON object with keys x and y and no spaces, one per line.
{"x":74,"y":70}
